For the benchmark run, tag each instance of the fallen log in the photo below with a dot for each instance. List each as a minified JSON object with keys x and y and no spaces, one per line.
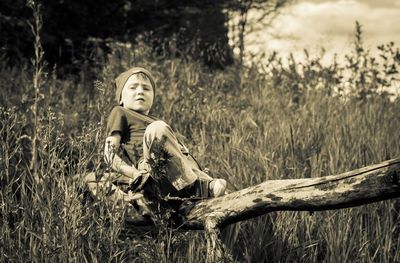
{"x":362,"y":186}
{"x":358,"y":187}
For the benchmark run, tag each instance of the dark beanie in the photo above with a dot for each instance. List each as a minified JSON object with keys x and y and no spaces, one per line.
{"x":124,"y":76}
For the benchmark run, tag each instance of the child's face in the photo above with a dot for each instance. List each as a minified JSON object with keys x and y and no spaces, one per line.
{"x":137,"y":94}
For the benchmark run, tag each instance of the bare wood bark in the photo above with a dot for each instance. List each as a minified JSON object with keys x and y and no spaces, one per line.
{"x":215,"y":248}
{"x":362,"y":186}
{"x":369,"y":184}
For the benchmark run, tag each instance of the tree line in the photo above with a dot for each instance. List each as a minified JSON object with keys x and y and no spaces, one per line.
{"x":73,"y":29}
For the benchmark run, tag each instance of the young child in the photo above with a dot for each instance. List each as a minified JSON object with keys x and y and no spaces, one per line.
{"x":131,"y":134}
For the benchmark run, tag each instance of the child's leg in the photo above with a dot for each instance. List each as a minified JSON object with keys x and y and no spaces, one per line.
{"x":184,"y":171}
{"x":104,"y":188}
{"x":181,"y":172}
{"x":103,"y":185}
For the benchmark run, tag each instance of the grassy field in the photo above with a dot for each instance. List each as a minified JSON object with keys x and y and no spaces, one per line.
{"x":246,"y":124}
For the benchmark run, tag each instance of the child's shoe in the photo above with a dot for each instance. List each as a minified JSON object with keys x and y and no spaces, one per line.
{"x":217,"y":187}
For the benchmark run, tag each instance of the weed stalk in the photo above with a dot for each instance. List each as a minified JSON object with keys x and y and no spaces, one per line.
{"x":38,"y":66}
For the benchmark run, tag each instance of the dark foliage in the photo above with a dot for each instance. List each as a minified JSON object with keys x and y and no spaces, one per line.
{"x":78,"y":31}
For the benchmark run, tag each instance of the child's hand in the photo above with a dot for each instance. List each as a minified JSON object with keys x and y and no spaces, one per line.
{"x":134,"y":196}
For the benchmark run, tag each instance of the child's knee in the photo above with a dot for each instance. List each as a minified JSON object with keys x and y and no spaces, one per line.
{"x":157,"y":129}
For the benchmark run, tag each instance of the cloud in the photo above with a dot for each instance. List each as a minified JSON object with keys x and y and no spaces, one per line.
{"x":314,"y":24}
{"x":370,"y":3}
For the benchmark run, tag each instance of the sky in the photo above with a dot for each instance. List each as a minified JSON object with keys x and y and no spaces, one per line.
{"x":328,"y":24}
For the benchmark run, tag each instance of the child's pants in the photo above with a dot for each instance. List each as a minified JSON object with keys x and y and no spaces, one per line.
{"x":183,"y":170}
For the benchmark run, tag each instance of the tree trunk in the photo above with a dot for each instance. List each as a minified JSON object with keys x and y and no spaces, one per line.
{"x":242,"y":28}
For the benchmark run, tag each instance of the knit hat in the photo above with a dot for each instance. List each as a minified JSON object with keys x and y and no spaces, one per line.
{"x":124,"y":76}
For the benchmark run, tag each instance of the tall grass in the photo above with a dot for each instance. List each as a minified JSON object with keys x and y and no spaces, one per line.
{"x":247,"y":125}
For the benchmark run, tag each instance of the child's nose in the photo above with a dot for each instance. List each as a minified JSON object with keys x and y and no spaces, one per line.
{"x":139,"y":89}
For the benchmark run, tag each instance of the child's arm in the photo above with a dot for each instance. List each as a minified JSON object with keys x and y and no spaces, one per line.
{"x":117,"y":164}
